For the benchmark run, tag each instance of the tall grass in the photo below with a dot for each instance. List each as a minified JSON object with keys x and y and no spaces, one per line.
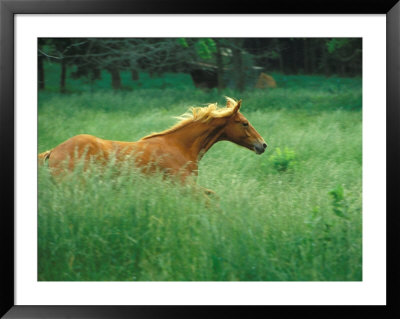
{"x":264,"y":224}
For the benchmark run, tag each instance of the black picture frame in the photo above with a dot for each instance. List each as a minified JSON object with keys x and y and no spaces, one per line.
{"x":8,"y":9}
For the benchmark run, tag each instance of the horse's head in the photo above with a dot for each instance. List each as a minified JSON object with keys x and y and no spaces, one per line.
{"x":239,"y":130}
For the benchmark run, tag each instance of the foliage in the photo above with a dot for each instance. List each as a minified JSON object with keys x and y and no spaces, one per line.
{"x":338,"y":201}
{"x":239,"y":60}
{"x":345,"y":50}
{"x":283,"y":160}
{"x":205,"y":48}
{"x":183,"y":42}
{"x":336,"y":44}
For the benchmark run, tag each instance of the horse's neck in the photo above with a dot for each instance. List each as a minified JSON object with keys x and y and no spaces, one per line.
{"x":196,"y":138}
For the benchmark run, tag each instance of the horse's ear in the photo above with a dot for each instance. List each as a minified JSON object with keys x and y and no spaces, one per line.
{"x":230,"y":102}
{"x":237,"y":106}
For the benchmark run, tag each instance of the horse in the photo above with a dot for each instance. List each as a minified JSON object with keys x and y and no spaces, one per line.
{"x":175,"y":151}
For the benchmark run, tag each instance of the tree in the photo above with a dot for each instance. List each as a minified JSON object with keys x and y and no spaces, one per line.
{"x":41,"y":74}
{"x":347,"y":53}
{"x":114,"y":55}
{"x":60,"y":50}
{"x":215,"y":61}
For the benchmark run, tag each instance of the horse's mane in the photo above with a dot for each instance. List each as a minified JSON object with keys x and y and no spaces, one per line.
{"x":200,"y":114}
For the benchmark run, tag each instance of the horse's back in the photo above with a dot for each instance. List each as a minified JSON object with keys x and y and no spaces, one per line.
{"x":82,"y":146}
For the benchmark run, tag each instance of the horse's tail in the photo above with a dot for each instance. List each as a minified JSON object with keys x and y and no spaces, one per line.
{"x":43,"y":157}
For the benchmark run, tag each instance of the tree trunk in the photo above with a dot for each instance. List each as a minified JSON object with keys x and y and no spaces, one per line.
{"x":306,"y":56}
{"x":313,"y":63}
{"x":281,"y":63}
{"x":63,"y":76}
{"x":41,"y":73}
{"x":343,"y":69}
{"x":238,"y":65}
{"x":294,"y":57}
{"x":115,"y":79}
{"x":220,"y":67}
{"x":134,"y":75}
{"x":324,"y":60}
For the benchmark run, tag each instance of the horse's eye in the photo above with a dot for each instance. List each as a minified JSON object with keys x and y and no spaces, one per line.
{"x":245,"y":124}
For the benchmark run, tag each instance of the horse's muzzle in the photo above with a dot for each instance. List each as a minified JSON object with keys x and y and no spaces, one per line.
{"x":260,"y":148}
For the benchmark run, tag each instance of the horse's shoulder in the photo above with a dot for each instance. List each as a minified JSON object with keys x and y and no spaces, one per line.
{"x":85,"y":137}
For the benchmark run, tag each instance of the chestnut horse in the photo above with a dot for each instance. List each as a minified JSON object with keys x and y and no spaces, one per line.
{"x":176,"y":151}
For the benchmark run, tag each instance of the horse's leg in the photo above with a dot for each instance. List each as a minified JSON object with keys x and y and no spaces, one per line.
{"x":191,"y":178}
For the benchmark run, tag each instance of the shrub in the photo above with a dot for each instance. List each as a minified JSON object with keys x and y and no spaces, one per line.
{"x":339,"y":203}
{"x":283,"y":160}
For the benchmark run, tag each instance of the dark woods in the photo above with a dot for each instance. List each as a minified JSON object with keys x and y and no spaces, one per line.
{"x":211,"y":62}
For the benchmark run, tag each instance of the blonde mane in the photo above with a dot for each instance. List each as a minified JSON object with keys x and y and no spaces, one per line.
{"x":200,"y":114}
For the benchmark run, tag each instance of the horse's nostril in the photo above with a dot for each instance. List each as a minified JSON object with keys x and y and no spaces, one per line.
{"x":265,"y":146}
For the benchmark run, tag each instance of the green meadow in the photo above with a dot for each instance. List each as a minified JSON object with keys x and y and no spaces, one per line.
{"x":293,"y":213}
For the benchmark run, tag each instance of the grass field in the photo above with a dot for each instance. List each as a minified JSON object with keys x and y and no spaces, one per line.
{"x":291,"y":214}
